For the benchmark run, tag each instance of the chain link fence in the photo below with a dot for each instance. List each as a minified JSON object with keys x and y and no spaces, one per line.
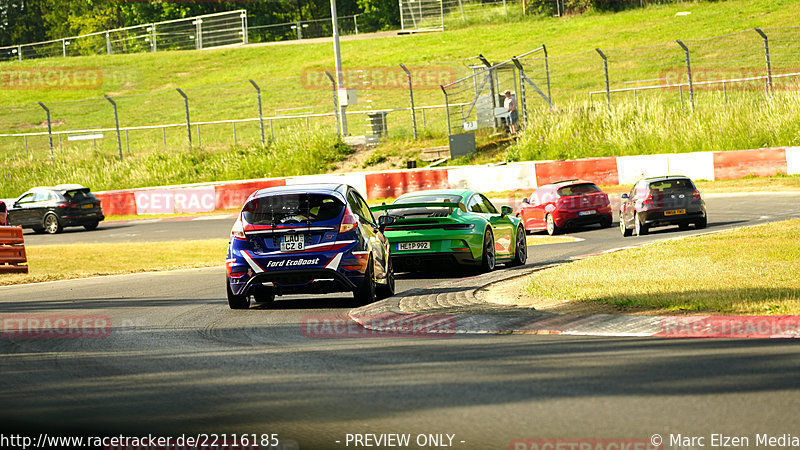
{"x":206,"y":31}
{"x":750,"y":65}
{"x":231,"y":114}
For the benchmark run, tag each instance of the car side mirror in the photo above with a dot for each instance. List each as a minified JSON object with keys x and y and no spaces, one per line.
{"x":15,"y":205}
{"x":384,"y":221}
{"x":623,"y":196}
{"x":506,"y":210}
{"x":525,"y":200}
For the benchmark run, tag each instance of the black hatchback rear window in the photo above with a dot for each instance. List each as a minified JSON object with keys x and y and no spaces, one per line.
{"x":291,"y":209}
{"x":672,"y":186}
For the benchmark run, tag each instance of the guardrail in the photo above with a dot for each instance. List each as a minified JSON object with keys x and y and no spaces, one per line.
{"x":12,"y":251}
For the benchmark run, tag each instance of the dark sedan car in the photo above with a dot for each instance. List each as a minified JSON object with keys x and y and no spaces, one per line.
{"x":659,"y":201}
{"x":50,"y":209}
{"x":3,"y":213}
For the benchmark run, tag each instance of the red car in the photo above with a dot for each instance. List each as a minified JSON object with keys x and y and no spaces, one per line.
{"x":565,"y":204}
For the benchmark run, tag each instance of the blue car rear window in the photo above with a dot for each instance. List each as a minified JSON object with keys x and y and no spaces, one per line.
{"x":287,"y":209}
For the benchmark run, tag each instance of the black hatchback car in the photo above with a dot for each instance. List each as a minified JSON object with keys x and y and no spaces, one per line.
{"x":50,"y":209}
{"x":658,"y":201}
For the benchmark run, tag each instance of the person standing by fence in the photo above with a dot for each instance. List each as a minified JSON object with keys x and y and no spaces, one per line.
{"x":513,"y":116}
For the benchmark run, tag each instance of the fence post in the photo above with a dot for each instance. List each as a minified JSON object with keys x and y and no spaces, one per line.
{"x":521,"y":100}
{"x":299,"y":30}
{"x":19,"y":52}
{"x":447,"y":110}
{"x":688,"y":72}
{"x":547,"y":72}
{"x":492,"y":89}
{"x":49,"y":130}
{"x":108,"y":43}
{"x":188,"y":123}
{"x":411,"y":97}
{"x":769,"y":63}
{"x":198,"y":34}
{"x":608,"y":85}
{"x":461,"y":6}
{"x":355,"y":22}
{"x":260,"y":117}
{"x":116,"y":125}
{"x":153,"y":37}
{"x":335,"y":102}
{"x":505,"y":6}
{"x":402,"y":22}
{"x":64,"y":47}
{"x":245,"y":37}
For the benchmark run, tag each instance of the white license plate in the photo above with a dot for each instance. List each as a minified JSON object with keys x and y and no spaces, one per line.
{"x":587,"y":213}
{"x":293,"y":242}
{"x":404,"y":246}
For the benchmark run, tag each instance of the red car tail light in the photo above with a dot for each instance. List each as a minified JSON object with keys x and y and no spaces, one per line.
{"x":696,"y":195}
{"x":68,"y":205}
{"x":649,"y":200}
{"x":349,"y":221}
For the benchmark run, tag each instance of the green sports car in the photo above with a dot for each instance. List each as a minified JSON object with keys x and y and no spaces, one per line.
{"x":441,"y":227}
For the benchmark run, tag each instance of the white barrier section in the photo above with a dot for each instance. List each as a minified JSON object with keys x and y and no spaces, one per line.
{"x":697,"y":166}
{"x":632,"y":168}
{"x":793,"y":160}
{"x":493,"y":178}
{"x":356,"y":179}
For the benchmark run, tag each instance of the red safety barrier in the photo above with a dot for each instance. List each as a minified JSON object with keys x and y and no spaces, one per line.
{"x":394,"y":184}
{"x":596,"y":170}
{"x":763,"y":162}
{"x":233,"y":196}
{"x":12,"y":251}
{"x":118,"y":203}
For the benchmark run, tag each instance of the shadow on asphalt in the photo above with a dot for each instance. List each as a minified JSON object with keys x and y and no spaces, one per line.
{"x":674,"y":228}
{"x":73,"y":230}
{"x":543,"y":368}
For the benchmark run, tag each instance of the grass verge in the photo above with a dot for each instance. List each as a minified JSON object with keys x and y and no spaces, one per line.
{"x":47,"y":262}
{"x":744,"y":271}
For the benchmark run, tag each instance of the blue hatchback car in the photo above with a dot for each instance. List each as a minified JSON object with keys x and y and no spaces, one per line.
{"x":311,"y":238}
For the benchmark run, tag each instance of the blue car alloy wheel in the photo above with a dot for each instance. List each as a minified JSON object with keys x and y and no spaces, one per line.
{"x":306,"y":239}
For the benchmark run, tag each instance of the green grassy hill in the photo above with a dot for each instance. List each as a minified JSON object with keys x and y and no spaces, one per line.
{"x":216,"y":82}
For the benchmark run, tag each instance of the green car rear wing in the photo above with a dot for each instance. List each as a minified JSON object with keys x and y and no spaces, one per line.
{"x":450,"y":205}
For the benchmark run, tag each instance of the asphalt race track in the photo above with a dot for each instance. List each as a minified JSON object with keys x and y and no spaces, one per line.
{"x":179,"y":361}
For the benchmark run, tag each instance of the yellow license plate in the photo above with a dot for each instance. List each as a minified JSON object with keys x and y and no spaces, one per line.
{"x":89,"y":206}
{"x":675,"y":212}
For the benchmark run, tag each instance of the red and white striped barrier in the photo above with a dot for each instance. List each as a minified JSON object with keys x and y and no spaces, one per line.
{"x":622,"y":170}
